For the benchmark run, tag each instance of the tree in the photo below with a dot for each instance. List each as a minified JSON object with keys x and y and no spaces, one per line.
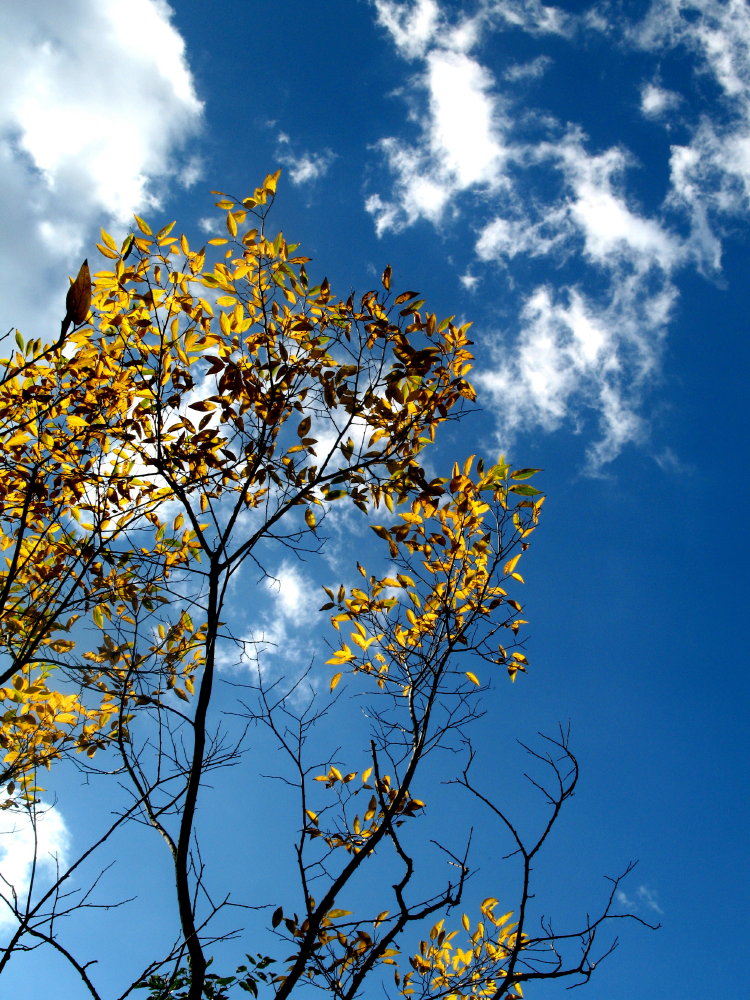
{"x":202,"y":421}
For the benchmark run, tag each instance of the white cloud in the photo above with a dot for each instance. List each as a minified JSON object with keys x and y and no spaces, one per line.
{"x":412,"y":26}
{"x":577,"y":355}
{"x":593,"y":209}
{"x":528,"y":70}
{"x":191,"y":172}
{"x":643,"y":898}
{"x":293,"y":602}
{"x":22,"y":846}
{"x":669,"y":462}
{"x":532,"y":16}
{"x":209,"y":225}
{"x":462,"y":143}
{"x":656,"y":100}
{"x":710,"y":173}
{"x":418,"y":194}
{"x":711,"y":180}
{"x":590,"y":347}
{"x":469,"y":281}
{"x":465,"y":135}
{"x":98,"y":102}
{"x":723,"y":33}
{"x":505,"y":238}
{"x":611,"y":229}
{"x":416,"y":26}
{"x":291,"y":591}
{"x":303,"y":167}
{"x":574,"y":356}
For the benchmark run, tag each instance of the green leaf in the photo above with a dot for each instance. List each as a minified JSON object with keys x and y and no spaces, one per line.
{"x":524,"y":491}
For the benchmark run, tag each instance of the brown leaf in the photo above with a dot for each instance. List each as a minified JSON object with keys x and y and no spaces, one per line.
{"x":78,"y":299}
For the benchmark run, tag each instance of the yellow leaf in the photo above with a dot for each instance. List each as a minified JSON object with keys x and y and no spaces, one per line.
{"x":127,"y":245}
{"x":271,"y":181}
{"x":411,"y":518}
{"x":310,"y":518}
{"x":18,"y":438}
{"x":511,"y":565}
{"x":108,"y":240}
{"x":362,"y":642}
{"x":143,"y":226}
{"x":62,"y":645}
{"x":342,"y":655}
{"x":472,"y":677}
{"x":335,"y":680}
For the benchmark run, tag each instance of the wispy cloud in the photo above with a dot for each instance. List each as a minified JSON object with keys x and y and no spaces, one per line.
{"x":527,"y":70}
{"x":710,"y":172}
{"x":588,"y":350}
{"x":278,"y":629}
{"x":612,"y":230}
{"x":575,"y":356}
{"x":412,"y":26}
{"x":303,"y":166}
{"x":531,"y":15}
{"x":642,"y":899}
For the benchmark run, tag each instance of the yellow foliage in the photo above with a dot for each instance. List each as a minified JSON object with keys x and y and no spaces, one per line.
{"x":471,"y":972}
{"x":248,"y":402}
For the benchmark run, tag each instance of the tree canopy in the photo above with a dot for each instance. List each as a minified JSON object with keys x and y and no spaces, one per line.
{"x":209,"y":409}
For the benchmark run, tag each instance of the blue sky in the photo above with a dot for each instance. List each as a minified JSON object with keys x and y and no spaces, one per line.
{"x":576,"y":181}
